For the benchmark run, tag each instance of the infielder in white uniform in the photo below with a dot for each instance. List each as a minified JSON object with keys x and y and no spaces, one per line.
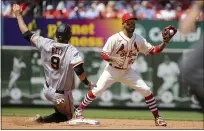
{"x":60,"y":60}
{"x":121,"y":50}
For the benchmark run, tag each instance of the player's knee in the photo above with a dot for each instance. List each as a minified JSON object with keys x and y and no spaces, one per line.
{"x":60,"y":105}
{"x":59,"y":102}
{"x":97,"y":91}
{"x":145,"y":92}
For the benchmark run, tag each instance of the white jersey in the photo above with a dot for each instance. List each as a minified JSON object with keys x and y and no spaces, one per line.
{"x":57,"y":60}
{"x":120,"y":45}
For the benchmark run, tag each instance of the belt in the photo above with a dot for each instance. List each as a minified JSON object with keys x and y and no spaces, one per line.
{"x":57,"y":91}
{"x":117,"y":67}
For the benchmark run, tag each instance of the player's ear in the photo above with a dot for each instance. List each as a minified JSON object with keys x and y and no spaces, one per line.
{"x":70,"y":34}
{"x":123,"y":26}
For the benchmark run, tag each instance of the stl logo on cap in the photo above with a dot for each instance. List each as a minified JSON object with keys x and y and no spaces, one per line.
{"x":128,"y":16}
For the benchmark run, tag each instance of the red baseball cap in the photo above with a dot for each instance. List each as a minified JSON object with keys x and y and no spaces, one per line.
{"x":128,"y":16}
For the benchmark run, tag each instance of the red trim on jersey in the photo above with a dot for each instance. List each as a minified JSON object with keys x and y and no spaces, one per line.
{"x":105,"y":56}
{"x":155,"y":49}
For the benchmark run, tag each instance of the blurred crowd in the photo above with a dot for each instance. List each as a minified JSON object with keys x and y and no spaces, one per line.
{"x":100,"y":9}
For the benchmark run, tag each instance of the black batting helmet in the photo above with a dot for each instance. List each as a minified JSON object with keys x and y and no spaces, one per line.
{"x":63,"y":33}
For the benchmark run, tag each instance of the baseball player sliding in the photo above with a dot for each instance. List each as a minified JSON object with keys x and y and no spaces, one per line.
{"x":121,"y":50}
{"x":60,"y":60}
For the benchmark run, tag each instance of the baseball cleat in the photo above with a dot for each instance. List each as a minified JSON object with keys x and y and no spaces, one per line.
{"x":160,"y":122}
{"x":78,"y":114}
{"x":38,"y":118}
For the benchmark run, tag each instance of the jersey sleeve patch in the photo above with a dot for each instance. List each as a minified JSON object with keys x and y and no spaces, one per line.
{"x":76,"y":58}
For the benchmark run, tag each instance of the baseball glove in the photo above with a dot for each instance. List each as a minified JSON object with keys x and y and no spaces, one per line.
{"x":167,"y":35}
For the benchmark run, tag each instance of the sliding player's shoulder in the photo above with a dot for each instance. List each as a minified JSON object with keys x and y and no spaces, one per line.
{"x":72,"y":48}
{"x":44,"y":39}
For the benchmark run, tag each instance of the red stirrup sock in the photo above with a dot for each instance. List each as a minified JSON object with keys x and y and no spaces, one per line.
{"x":151,"y":103}
{"x":87,"y":100}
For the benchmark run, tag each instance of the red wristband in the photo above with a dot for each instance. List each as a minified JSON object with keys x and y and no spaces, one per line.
{"x":156,"y":49}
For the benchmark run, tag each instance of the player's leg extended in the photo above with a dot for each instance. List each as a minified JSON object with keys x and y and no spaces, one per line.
{"x":133,"y":80}
{"x":64,"y":107}
{"x":54,"y":117}
{"x":103,"y":83}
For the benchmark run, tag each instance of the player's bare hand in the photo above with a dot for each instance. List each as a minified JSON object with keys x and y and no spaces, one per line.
{"x":118,"y":60}
{"x":17,"y":9}
{"x":91,"y":85}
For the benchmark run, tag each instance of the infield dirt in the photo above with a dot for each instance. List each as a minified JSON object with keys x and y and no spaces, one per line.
{"x":26,"y":123}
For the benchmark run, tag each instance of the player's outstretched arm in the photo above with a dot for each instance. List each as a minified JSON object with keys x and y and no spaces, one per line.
{"x":167,"y":33}
{"x":23,"y":27}
{"x":17,"y":11}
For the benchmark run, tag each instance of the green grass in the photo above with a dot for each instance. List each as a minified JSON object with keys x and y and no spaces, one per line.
{"x":119,"y":114}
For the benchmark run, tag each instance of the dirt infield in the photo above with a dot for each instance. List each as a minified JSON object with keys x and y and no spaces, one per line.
{"x":25,"y":123}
